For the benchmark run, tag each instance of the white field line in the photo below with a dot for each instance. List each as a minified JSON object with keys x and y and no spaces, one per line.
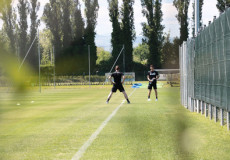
{"x":84,"y":147}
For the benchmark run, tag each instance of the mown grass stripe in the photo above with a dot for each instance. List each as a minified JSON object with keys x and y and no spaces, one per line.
{"x":84,"y":147}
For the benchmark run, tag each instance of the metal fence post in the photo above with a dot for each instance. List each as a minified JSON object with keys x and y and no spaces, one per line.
{"x":191,"y":108}
{"x":194,"y":105}
{"x":198,"y":106}
{"x":205,"y":107}
{"x":228,"y":120}
{"x":210,"y":109}
{"x":216,"y":114}
{"x":202,"y":107}
{"x":54,"y":67}
{"x":89,"y":65}
{"x":222,"y":117}
{"x":39,"y":62}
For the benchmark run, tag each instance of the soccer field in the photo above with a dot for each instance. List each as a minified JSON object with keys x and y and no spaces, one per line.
{"x":60,"y":121}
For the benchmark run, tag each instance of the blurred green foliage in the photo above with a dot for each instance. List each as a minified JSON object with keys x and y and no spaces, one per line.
{"x":102,"y":55}
{"x":47,"y":55}
{"x":141,"y":53}
{"x":3,"y":3}
{"x":9,"y":65}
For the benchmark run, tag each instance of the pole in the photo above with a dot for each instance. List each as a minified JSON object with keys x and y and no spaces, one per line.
{"x":222,"y":117}
{"x":51,"y":59}
{"x":216,"y":114}
{"x":205,"y":107}
{"x":228,"y":120}
{"x":197,"y":16}
{"x":39,"y":63}
{"x":54,"y":68}
{"x":17,"y":48}
{"x":89,"y":63}
{"x":116,"y":60}
{"x":124,"y":58}
{"x":198,"y":106}
{"x":211,"y":111}
{"x":27,"y":53}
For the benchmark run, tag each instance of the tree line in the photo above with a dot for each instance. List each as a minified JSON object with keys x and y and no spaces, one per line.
{"x":70,"y":35}
{"x":16,"y":27}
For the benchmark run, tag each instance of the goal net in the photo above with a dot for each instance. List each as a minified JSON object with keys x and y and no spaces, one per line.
{"x":172,"y":76}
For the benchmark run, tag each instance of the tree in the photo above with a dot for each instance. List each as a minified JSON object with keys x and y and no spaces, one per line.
{"x":141,"y":53}
{"x":9,"y":18}
{"x":34,"y":8}
{"x":176,"y":46}
{"x":52,"y":18}
{"x":170,"y":53}
{"x":66,"y":23}
{"x":79,"y":25}
{"x":201,"y":3}
{"x":70,"y":38}
{"x":128,"y":32}
{"x":149,"y":29}
{"x":46,"y":47}
{"x":91,"y":12}
{"x":158,"y":18}
{"x":116,"y":35}
{"x":153,"y":30}
{"x":4,"y":40}
{"x":222,"y":4}
{"x":182,"y":17}
{"x":23,"y":26}
{"x":167,"y":55}
{"x":193,"y":20}
{"x":102,"y":55}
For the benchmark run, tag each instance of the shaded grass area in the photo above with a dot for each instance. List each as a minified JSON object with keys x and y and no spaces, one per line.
{"x":59,"y":121}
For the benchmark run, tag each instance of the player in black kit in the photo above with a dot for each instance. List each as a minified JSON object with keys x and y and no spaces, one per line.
{"x":117,"y":84}
{"x":152,"y":78}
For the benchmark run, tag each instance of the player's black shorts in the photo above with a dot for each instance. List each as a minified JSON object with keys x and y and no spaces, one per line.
{"x":152,"y":85}
{"x":118,"y":87}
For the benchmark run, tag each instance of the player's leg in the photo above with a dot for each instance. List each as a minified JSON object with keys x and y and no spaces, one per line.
{"x":126,"y":97}
{"x":150,"y":90}
{"x":121,"y":88}
{"x":155,"y":89}
{"x":114,"y":89}
{"x":156,"y":93}
{"x":109,"y":97}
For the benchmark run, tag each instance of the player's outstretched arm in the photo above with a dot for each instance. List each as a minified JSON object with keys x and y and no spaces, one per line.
{"x":110,"y":79}
{"x":123,"y":79}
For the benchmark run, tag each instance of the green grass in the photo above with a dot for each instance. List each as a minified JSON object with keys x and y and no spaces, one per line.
{"x":59,"y":122}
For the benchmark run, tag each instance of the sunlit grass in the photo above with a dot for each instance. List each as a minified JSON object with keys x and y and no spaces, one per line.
{"x":60,"y":120}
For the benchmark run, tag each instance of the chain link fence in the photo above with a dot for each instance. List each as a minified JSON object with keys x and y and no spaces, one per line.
{"x":205,"y":70}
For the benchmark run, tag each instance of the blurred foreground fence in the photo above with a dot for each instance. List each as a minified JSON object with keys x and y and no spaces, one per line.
{"x":172,"y":76}
{"x":205,"y":71}
{"x":60,"y":80}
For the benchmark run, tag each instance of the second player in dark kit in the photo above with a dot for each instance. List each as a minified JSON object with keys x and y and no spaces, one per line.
{"x":152,"y":77}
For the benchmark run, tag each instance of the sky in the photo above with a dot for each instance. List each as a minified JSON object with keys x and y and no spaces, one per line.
{"x":104,"y":26}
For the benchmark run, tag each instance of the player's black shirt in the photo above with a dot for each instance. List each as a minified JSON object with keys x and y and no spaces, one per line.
{"x":153,"y":74}
{"x":117,"y":77}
